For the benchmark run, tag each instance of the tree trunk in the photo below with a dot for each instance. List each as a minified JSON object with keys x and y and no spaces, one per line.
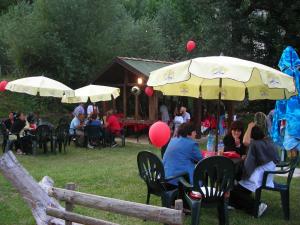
{"x":35,"y":194}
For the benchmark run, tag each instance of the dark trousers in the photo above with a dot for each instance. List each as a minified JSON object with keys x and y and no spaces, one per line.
{"x":25,"y":144}
{"x":241,"y":198}
{"x":109,"y":137}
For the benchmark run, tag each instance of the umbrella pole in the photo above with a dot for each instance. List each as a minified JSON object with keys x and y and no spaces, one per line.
{"x":218,"y":116}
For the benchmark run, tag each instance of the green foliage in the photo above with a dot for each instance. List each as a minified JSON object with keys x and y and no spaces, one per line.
{"x":72,"y":40}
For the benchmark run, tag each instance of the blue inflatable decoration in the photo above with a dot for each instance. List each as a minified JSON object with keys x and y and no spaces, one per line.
{"x":288,"y":110}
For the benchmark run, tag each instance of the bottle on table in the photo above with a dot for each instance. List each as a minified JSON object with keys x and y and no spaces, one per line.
{"x":220,"y":147}
{"x":210,"y":143}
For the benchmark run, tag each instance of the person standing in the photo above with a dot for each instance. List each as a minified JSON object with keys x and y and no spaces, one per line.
{"x":164,"y":113}
{"x":178,"y":120}
{"x":79,"y":110}
{"x":92,"y":109}
{"x":186,"y":116}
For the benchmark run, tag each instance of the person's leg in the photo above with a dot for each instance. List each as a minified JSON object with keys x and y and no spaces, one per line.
{"x":80,"y":139}
{"x":107,"y":136}
{"x":27,"y":144}
{"x":241,"y":198}
{"x":18,"y":146}
{"x":112,"y":139}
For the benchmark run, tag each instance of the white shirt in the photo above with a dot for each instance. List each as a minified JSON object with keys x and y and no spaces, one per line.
{"x":178,"y":120}
{"x":164,"y":113}
{"x":90,"y":109}
{"x":186,"y":117}
{"x":255,"y":180}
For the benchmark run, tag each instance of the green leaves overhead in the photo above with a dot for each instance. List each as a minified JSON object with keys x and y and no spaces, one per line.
{"x":73,"y":40}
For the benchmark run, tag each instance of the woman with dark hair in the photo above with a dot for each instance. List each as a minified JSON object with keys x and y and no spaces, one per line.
{"x":233,"y":141}
{"x":261,"y":156}
{"x":23,"y":143}
{"x":9,"y":122}
{"x":182,"y":153}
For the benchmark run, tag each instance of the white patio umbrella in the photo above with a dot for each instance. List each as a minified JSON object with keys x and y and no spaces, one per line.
{"x":222,"y":78}
{"x":95,"y":93}
{"x":41,"y":85}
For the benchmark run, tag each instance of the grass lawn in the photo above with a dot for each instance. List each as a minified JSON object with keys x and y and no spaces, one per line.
{"x":113,"y":173}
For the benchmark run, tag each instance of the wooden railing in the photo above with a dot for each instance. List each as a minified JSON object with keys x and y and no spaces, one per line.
{"x":137,"y":210}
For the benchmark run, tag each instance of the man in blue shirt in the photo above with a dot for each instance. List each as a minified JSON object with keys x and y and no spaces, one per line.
{"x":182,"y":153}
{"x":77,"y":123}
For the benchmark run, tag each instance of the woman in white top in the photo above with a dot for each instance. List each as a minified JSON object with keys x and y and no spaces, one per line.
{"x":92,"y":109}
{"x":178,"y":120}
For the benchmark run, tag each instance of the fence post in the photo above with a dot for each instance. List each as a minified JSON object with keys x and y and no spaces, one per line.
{"x":69,"y":204}
{"x":179,"y":205}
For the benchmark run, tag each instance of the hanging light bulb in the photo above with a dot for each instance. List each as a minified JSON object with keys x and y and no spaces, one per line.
{"x":140,"y":81}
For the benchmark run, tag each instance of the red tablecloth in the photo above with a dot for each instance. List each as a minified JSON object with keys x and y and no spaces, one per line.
{"x":229,"y":154}
{"x":136,"y":125}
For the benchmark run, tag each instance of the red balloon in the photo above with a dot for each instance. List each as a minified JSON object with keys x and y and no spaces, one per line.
{"x":3,"y":85}
{"x":159,"y":134}
{"x":149,"y":91}
{"x":190,"y":45}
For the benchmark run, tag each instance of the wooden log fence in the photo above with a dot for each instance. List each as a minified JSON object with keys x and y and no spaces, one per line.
{"x":127,"y":208}
{"x":74,"y":217}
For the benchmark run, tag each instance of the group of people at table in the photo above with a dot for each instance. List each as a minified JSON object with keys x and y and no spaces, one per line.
{"x":20,"y":129}
{"x":257,"y":154}
{"x":109,"y":125}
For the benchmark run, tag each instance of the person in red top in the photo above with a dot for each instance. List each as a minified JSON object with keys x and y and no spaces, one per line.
{"x":113,"y":127}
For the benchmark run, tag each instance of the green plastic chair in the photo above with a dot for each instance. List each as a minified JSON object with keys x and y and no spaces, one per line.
{"x":152,"y":171}
{"x":61,"y":137}
{"x":213,"y":179}
{"x":282,"y":188}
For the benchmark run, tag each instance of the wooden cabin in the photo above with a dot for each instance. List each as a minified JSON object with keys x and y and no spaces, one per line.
{"x":125,"y":73}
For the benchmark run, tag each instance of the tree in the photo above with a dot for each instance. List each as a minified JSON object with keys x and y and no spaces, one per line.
{"x":72,"y":40}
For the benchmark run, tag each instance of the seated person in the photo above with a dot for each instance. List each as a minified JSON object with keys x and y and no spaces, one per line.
{"x":233,"y":141}
{"x":32,"y":122}
{"x":182,"y":153}
{"x":262,"y":156}
{"x":9,"y":122}
{"x":77,"y":123}
{"x":113,"y":127}
{"x":22,"y":142}
{"x":94,"y":122}
{"x":77,"y":128}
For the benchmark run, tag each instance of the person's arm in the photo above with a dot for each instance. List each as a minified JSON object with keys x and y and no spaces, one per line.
{"x":196,"y":153}
{"x":108,"y":122}
{"x":188,"y":119}
{"x":80,"y":125}
{"x":27,"y":126}
{"x":227,"y":143}
{"x":247,"y":135}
